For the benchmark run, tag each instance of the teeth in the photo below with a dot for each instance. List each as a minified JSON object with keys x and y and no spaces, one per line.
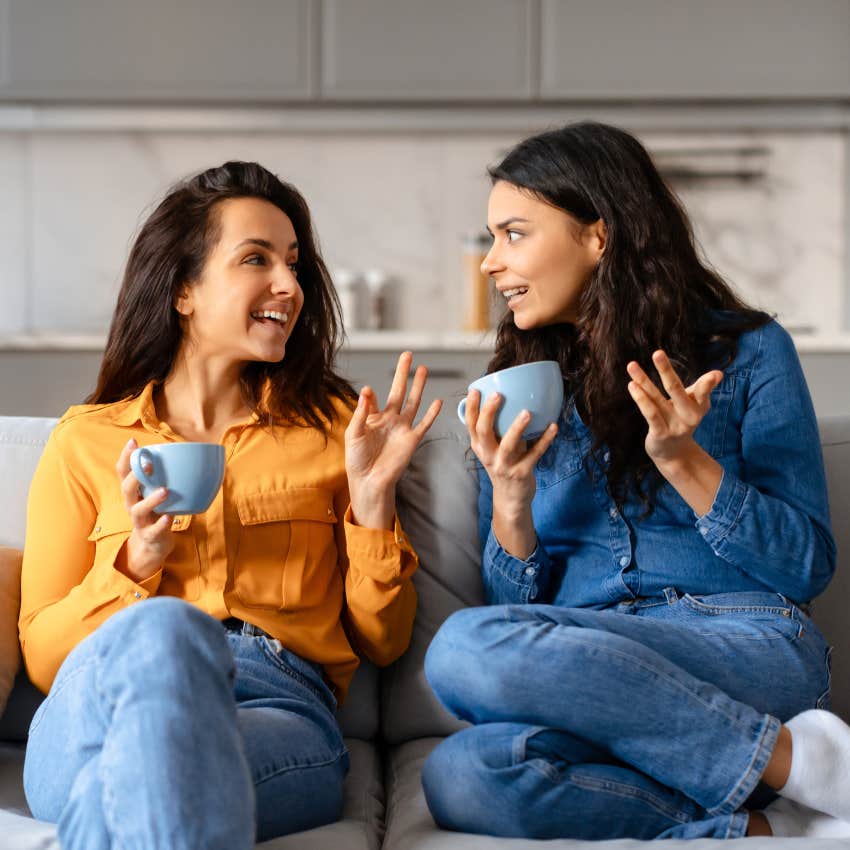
{"x":509,"y":293}
{"x":270,"y":314}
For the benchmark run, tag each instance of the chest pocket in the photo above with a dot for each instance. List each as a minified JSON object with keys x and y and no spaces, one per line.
{"x":182,"y":569}
{"x":283,"y":537}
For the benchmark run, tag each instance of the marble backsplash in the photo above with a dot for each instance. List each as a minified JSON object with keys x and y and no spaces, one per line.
{"x":768,"y":207}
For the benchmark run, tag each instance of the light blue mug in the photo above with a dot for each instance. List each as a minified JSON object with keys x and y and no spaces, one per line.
{"x":536,"y":387}
{"x":192,"y":472}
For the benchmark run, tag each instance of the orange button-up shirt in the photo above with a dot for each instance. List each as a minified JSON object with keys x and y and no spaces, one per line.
{"x":276,"y":548}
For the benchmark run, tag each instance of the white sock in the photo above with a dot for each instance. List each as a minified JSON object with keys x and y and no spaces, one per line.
{"x":788,"y":819}
{"x":820,"y":763}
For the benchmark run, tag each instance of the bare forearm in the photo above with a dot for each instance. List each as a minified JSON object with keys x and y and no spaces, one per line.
{"x":514,"y":529}
{"x":695,"y":476}
{"x":373,"y":509}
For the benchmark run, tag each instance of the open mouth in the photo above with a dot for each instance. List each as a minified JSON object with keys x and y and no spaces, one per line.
{"x":513,"y":296}
{"x":272,"y":317}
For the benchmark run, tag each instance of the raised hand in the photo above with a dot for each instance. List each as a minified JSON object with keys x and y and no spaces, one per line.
{"x":380,"y":443}
{"x":672,"y":421}
{"x":670,"y":442}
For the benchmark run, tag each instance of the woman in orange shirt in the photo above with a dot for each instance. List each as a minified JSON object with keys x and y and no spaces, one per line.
{"x":205,"y":716}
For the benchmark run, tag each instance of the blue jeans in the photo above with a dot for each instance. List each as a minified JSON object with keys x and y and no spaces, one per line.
{"x":164,"y":730}
{"x":652,"y":719}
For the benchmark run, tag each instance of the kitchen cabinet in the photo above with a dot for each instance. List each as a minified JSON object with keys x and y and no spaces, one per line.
{"x":441,"y":50}
{"x":693,"y":49}
{"x":158,"y":50}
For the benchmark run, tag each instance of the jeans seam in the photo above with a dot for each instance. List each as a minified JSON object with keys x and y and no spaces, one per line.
{"x":754,"y":770}
{"x":293,"y":674}
{"x":631,"y":791}
{"x":304,"y":766}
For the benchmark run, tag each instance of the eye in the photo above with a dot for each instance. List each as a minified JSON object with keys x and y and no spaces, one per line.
{"x":255,"y":260}
{"x":513,"y":235}
{"x":293,"y":267}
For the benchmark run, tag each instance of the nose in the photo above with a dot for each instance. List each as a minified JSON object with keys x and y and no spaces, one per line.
{"x":491,"y":262}
{"x":285,"y":282}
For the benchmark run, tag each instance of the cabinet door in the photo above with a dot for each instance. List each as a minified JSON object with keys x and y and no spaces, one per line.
{"x":207,"y":50}
{"x":440,"y":50}
{"x":695,"y":48}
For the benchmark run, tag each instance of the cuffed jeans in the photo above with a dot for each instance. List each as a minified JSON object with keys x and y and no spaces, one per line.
{"x":165,"y":730}
{"x":652,"y":719}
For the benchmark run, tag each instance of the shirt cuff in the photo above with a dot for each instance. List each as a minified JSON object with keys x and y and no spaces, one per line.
{"x":725,"y":510}
{"x":524,"y":573}
{"x":382,"y":554}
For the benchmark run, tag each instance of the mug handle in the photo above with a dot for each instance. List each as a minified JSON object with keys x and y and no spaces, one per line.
{"x":461,"y":411}
{"x":138,"y":459}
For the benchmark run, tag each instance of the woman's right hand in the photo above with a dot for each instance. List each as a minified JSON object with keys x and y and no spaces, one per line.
{"x":510,"y":464}
{"x":152,"y":539}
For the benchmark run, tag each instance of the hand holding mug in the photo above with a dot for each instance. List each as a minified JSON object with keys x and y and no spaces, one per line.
{"x":152,"y":539}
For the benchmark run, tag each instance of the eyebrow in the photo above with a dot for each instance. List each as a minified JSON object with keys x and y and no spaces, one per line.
{"x":502,"y":225}
{"x":264,"y":243}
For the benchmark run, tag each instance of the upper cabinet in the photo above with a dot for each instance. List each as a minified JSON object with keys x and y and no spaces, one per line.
{"x":695,"y":49}
{"x":410,"y":50}
{"x":416,"y":51}
{"x":157,"y":50}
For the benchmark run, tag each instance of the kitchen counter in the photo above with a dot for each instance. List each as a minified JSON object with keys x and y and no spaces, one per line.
{"x":389,"y":340}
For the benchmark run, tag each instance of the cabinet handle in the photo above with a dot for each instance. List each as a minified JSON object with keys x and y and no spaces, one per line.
{"x":454,"y":374}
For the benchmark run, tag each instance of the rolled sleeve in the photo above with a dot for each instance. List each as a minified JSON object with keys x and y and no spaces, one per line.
{"x":384,"y":555}
{"x":725,"y":510}
{"x":509,"y":579}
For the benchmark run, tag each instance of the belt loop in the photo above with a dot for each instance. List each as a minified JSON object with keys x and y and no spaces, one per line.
{"x":670,"y":595}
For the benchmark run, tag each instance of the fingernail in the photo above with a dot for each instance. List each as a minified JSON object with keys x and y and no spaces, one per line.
{"x":130,"y":442}
{"x":161,"y":491}
{"x":525,"y":414}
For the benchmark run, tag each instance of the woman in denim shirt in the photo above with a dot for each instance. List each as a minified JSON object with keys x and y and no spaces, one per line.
{"x":646,"y":655}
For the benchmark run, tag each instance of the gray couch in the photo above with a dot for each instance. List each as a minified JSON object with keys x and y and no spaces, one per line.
{"x":391,"y":720}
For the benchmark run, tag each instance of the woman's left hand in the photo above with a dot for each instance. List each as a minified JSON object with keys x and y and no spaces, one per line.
{"x":672,"y":421}
{"x":380,"y":443}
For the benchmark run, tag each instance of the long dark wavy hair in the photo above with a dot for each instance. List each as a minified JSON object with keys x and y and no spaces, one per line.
{"x":170,"y":252}
{"x":649,"y":291}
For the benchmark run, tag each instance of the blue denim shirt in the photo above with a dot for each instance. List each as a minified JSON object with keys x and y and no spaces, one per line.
{"x":768,"y":528}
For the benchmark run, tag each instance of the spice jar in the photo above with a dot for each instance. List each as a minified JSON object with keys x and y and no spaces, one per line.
{"x":475,"y":248}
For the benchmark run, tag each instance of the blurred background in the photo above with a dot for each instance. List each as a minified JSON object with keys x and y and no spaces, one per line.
{"x":385,"y":114}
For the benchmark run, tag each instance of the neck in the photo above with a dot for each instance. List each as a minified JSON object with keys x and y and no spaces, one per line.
{"x":201,"y":396}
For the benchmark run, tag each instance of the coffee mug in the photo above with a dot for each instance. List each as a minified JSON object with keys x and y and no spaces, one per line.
{"x":192,"y":472}
{"x":536,"y":387}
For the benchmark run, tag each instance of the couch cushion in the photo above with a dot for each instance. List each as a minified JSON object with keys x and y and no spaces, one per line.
{"x":411,"y":827}
{"x":360,"y":828}
{"x":22,"y":440}
{"x":438,"y":507}
{"x":10,"y":603}
{"x":830,"y":608}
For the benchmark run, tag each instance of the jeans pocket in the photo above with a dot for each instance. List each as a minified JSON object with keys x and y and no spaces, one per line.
{"x":760,"y":616}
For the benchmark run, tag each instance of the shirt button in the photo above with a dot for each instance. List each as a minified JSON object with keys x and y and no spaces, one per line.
{"x":606,"y":457}
{"x":624,"y":561}
{"x":97,"y":528}
{"x":137,"y":595}
{"x":613,"y":513}
{"x":330,"y":512}
{"x":530,"y":571}
{"x":703,"y":530}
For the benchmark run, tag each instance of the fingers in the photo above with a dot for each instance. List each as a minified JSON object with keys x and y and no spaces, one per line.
{"x":399,"y":384}
{"x":414,"y":398}
{"x":648,"y":407}
{"x":142,"y":512}
{"x":543,"y":442}
{"x":429,"y":418}
{"x":357,"y":424}
{"x":485,"y":423}
{"x":512,"y":442}
{"x":702,"y":388}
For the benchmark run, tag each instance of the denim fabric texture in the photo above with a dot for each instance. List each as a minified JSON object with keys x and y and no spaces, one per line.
{"x":768,"y":528}
{"x":178,"y":733}
{"x":630,"y":677}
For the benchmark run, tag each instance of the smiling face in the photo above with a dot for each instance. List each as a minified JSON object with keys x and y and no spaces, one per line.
{"x":247,"y":299}
{"x":541,"y":258}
